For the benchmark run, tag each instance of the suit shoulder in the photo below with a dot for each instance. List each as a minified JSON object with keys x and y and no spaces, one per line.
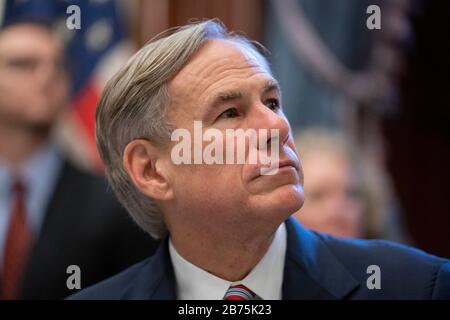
{"x":88,"y":180}
{"x":90,"y":196}
{"x":379,"y":249}
{"x":112,"y":288}
{"x":400,"y":266}
{"x":442,"y":288}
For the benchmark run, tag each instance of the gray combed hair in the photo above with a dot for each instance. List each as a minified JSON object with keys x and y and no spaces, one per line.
{"x":133,"y":105}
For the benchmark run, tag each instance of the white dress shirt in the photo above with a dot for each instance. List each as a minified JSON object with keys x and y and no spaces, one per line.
{"x":265,"y":280}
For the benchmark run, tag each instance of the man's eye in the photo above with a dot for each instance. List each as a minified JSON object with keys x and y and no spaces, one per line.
{"x":273,"y":104}
{"x":229,"y":113}
{"x":23,"y":64}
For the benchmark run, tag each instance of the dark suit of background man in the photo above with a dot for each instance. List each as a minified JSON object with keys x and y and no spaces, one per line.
{"x":227,"y":227}
{"x":52,"y":215}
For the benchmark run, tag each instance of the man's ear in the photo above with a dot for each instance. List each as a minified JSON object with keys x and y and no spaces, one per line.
{"x":144,"y":166}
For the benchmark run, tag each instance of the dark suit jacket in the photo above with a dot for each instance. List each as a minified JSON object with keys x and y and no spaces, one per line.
{"x":84,"y":225}
{"x":317,"y":266}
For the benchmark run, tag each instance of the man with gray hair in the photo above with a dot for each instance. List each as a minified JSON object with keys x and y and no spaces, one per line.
{"x":226,"y":227}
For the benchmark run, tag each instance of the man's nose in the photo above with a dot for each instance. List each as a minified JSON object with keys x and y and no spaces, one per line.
{"x":266,"y":119}
{"x":47,"y":72}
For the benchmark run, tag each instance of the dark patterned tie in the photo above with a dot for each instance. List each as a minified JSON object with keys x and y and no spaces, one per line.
{"x":17,"y":245}
{"x":239,"y":292}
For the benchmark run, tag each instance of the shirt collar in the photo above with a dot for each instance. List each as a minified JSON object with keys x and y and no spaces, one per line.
{"x":194,"y":283}
{"x":46,"y":158}
{"x":38,"y":174}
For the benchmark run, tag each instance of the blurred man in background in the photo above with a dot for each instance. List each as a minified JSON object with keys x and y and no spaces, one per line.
{"x":52,"y":215}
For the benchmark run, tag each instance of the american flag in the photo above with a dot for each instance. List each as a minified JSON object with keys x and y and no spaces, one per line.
{"x":95,"y":51}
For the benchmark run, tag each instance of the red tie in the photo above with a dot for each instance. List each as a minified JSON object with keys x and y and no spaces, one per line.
{"x":239,"y":292}
{"x":17,"y":246}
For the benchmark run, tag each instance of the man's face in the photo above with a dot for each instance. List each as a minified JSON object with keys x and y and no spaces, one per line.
{"x":226,"y":87}
{"x":33,"y":83}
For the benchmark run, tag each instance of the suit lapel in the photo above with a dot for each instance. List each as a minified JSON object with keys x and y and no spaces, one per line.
{"x":45,"y":247}
{"x":156,"y":279}
{"x":311,"y":270}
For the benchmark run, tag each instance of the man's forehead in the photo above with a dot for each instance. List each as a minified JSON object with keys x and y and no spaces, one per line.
{"x":218,"y":59}
{"x":28,"y":36}
{"x":228,"y":49}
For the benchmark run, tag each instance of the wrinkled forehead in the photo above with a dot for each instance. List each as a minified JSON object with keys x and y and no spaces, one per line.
{"x":249,"y":52}
{"x":217,"y":59}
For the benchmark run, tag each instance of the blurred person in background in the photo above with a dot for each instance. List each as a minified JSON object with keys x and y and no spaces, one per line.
{"x":52,"y":214}
{"x":333,"y":185}
{"x":342,"y":196}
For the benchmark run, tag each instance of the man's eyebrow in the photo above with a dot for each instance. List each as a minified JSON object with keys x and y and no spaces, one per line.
{"x":227,"y":96}
{"x":272,"y":85}
{"x":231,"y":95}
{"x":221,"y":97}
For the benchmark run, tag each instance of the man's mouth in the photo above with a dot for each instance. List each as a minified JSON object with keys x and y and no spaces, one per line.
{"x":274,"y":168}
{"x":288,"y":163}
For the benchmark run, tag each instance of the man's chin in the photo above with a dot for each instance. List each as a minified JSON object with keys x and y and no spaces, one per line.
{"x":39,"y":122}
{"x":265,"y":184}
{"x":39,"y":127}
{"x":281,"y":202}
{"x":290,"y":196}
